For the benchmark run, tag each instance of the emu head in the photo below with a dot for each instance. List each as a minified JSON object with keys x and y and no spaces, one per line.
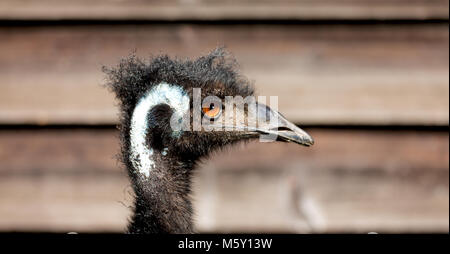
{"x":185,"y":109}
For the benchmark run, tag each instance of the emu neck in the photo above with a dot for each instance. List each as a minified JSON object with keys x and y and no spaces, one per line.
{"x":161,"y":182}
{"x":162,"y":203}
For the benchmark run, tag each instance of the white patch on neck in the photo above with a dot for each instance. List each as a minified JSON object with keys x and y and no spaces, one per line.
{"x":172,"y":95}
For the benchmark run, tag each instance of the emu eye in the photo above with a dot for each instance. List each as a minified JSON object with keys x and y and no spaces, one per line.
{"x":212,"y":112}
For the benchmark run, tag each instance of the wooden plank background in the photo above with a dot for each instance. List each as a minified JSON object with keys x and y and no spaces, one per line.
{"x":222,"y":10}
{"x":380,"y":67}
{"x":349,"y":181}
{"x":364,"y":74}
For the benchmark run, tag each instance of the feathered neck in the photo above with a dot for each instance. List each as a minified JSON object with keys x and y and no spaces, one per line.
{"x":162,"y":203}
{"x":161,"y":181}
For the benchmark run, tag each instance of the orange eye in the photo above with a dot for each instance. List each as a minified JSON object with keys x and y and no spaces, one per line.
{"x":211,"y":111}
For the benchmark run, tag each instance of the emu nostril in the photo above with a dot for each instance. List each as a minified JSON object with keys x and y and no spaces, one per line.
{"x":280,"y":128}
{"x":283,"y":128}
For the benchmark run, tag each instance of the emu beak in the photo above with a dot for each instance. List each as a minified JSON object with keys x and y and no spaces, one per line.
{"x":264,"y":122}
{"x":275,"y":126}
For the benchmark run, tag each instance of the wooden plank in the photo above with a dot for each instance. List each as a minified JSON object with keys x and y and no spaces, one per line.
{"x":62,"y":181}
{"x":222,"y":10}
{"x":323,"y":74}
{"x":349,"y":181}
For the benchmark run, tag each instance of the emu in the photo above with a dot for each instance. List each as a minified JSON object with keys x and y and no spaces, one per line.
{"x":160,"y":159}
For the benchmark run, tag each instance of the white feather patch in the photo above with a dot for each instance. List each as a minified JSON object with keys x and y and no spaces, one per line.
{"x":176,"y":98}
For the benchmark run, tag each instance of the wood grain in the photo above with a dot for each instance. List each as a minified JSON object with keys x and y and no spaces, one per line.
{"x":222,"y":10}
{"x":350,"y":181}
{"x":323,"y":74}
